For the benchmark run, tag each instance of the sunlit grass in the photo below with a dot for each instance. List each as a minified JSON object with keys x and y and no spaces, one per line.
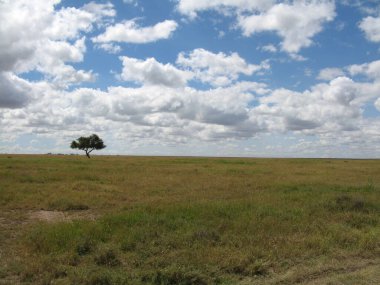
{"x":165,"y":220}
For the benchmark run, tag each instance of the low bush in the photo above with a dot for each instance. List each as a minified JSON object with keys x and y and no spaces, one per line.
{"x":107,"y":258}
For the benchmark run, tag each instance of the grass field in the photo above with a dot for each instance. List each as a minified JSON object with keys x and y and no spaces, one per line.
{"x":161,"y":220}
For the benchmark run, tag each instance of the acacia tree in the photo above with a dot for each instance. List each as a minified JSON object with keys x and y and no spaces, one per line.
{"x":88,"y":144}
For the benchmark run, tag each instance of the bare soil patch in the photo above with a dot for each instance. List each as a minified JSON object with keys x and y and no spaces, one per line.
{"x":60,"y":216}
{"x":347,"y":272}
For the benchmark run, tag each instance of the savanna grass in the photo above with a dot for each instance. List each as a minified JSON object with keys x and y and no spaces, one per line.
{"x":159,"y":220}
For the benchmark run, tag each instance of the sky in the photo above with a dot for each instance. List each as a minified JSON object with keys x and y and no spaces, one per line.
{"x":252,"y":78}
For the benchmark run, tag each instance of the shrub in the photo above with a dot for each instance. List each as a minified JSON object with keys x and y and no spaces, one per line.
{"x":348,"y":203}
{"x":107,"y":258}
{"x":84,"y":247}
{"x":178,"y":277}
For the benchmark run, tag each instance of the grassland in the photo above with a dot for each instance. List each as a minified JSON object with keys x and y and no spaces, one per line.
{"x":160,"y":220}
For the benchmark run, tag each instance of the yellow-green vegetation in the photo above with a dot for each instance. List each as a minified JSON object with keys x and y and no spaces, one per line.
{"x":171,"y":220}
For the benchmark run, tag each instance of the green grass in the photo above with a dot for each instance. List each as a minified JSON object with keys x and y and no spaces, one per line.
{"x":169,"y":220}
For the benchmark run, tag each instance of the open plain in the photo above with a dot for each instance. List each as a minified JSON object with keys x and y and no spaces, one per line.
{"x":180,"y":220}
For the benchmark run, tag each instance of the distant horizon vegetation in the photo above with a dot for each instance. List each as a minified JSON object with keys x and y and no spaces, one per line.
{"x":194,"y":156}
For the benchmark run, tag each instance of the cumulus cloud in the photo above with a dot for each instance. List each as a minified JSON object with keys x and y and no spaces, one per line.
{"x":186,"y":113}
{"x":51,"y":59}
{"x":154,"y":112}
{"x":371,"y":27}
{"x":371,"y":70}
{"x":330,"y":73}
{"x":296,"y":23}
{"x":222,"y":106}
{"x":109,"y":47}
{"x":66,"y":23}
{"x":217,"y":69}
{"x":165,"y":114}
{"x":131,"y":32}
{"x":18,"y":38}
{"x":14,"y":91}
{"x":151,"y":72}
{"x":331,"y":107}
{"x":143,"y":106}
{"x":42,"y":27}
{"x":164,"y":108}
{"x":35,"y":36}
{"x":51,"y":39}
{"x":335,"y":106}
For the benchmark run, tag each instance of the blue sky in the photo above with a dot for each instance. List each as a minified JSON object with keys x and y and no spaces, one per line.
{"x":271,"y":78}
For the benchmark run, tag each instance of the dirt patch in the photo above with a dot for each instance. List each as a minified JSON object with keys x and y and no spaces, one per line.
{"x":49,"y":216}
{"x":359,"y":276}
{"x":60,"y":216}
{"x":327,"y":273}
{"x":316,"y":277}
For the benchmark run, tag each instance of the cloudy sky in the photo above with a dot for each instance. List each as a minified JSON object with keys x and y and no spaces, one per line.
{"x":295,"y":78}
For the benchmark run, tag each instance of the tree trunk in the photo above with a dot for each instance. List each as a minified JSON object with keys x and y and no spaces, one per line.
{"x":88,"y":154}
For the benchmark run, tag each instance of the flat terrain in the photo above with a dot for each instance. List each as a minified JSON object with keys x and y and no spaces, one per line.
{"x":161,"y":220}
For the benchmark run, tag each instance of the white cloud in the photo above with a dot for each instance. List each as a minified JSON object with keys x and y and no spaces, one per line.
{"x":134,"y":104}
{"x":371,"y":27}
{"x":329,"y":107}
{"x":377,"y":104}
{"x":152,"y":112}
{"x":192,"y":7}
{"x":151,"y":72}
{"x":41,"y":36}
{"x":131,"y":32}
{"x":269,"y":48}
{"x":131,"y":2}
{"x":66,"y":23}
{"x":331,"y":113}
{"x":35,"y":36}
{"x":51,"y":58}
{"x":173,"y":112}
{"x":109,"y":47}
{"x":371,"y":70}
{"x":14,"y":91}
{"x":28,"y":26}
{"x":217,"y":69}
{"x":227,"y":106}
{"x":296,"y":23}
{"x":297,"y":57}
{"x":65,"y":75}
{"x":183,"y":114}
{"x":330,"y":73}
{"x":99,"y":11}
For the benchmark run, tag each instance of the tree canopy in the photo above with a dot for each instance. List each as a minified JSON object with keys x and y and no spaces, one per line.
{"x":88,"y":144}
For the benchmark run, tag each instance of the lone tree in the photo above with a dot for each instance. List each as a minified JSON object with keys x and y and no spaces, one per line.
{"x":88,"y":144}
